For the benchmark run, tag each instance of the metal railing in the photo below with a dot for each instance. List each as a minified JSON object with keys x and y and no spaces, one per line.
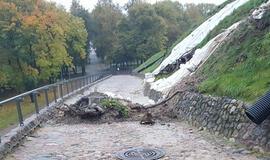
{"x":71,"y":86}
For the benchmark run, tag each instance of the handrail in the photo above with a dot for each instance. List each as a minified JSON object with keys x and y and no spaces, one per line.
{"x":43,"y":88}
{"x":71,"y":88}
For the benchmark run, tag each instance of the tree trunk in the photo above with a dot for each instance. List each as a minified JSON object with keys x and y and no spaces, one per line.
{"x":83,"y":70}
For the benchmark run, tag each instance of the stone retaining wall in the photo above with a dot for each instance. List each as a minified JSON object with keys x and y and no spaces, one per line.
{"x":221,"y":116}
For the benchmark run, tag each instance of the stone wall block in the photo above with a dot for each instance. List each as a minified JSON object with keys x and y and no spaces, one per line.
{"x":222,"y":115}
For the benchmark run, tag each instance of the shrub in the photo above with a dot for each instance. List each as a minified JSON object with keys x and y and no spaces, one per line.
{"x":110,"y":103}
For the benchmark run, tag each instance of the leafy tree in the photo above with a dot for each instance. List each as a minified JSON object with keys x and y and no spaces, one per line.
{"x":173,"y":14}
{"x":79,"y":11}
{"x":76,"y":39}
{"x":206,"y":8}
{"x":142,"y":33}
{"x":33,"y":44}
{"x":106,"y":16}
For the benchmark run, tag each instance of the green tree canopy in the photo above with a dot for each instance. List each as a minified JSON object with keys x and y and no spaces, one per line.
{"x":36,"y":38}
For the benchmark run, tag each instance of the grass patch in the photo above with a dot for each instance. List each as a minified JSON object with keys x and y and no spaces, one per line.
{"x":238,"y":15}
{"x":110,"y":103}
{"x":241,"y":67}
{"x":9,"y":115}
{"x":150,"y":60}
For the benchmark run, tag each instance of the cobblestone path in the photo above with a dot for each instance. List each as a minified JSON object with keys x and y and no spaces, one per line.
{"x":102,"y":141}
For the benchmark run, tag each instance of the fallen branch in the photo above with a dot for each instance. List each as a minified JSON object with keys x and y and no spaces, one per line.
{"x":164,"y":101}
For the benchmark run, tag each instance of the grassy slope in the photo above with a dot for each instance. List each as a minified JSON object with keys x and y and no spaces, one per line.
{"x":150,"y":60}
{"x":183,"y":36}
{"x":238,"y":15}
{"x":229,"y":74}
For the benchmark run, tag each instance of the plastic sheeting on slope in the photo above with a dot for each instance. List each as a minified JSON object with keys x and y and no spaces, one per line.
{"x":199,"y":34}
{"x":200,"y":56}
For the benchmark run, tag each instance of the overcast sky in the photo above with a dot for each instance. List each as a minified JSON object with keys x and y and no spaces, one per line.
{"x":90,"y":4}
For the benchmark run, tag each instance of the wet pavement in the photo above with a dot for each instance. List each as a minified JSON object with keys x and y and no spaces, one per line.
{"x":124,"y":87}
{"x":102,"y":141}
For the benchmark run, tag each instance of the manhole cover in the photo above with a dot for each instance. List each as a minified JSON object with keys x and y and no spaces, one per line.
{"x":140,"y":154}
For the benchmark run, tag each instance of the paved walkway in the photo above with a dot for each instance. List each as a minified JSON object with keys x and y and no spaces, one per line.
{"x":124,"y":86}
{"x":95,"y":66}
{"x":101,"y":142}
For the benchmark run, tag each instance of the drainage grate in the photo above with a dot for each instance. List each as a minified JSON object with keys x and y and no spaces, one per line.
{"x":140,"y":154}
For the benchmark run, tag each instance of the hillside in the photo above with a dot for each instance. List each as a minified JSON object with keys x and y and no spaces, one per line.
{"x":233,"y":58}
{"x":240,"y":68}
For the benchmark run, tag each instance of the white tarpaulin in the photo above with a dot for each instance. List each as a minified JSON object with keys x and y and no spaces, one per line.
{"x":201,"y":55}
{"x":199,"y":34}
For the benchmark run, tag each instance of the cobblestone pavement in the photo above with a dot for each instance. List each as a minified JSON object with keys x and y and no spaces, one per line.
{"x":102,"y":141}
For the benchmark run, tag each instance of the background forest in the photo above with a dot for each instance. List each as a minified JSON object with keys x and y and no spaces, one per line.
{"x":39,"y":41}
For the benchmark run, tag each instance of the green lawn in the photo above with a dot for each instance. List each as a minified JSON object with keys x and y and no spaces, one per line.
{"x":241,"y":67}
{"x":150,"y":60}
{"x":9,"y":115}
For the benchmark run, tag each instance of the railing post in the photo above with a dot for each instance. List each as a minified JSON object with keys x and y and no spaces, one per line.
{"x":76,"y":84}
{"x":35,"y":101}
{"x":19,"y":110}
{"x":54,"y":94}
{"x":61,"y":90}
{"x":81,"y":82}
{"x":46,"y":96}
{"x":71,"y":84}
{"x":67,"y":87}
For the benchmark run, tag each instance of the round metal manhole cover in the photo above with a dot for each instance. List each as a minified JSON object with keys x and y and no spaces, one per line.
{"x":140,"y":154}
